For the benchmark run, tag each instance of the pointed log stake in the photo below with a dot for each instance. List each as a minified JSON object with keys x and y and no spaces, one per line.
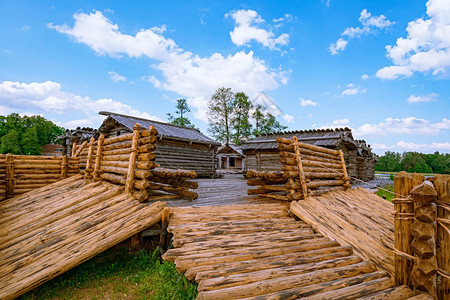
{"x":9,"y":175}
{"x":300,"y":167}
{"x":344,"y":168}
{"x":98,"y":157}
{"x":74,"y":148}
{"x":129,"y":183}
{"x":64,"y":164}
{"x":87,"y":172}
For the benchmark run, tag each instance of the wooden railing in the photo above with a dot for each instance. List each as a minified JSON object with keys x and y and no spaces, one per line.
{"x":22,"y":173}
{"x":306,"y":170}
{"x":422,"y":234}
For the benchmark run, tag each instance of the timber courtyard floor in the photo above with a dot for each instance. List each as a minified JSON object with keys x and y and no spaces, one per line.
{"x":245,"y":247}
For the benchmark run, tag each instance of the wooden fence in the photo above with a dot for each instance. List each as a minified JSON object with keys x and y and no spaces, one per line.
{"x":422,"y":234}
{"x":22,"y":173}
{"x":306,"y":170}
{"x":129,"y":160}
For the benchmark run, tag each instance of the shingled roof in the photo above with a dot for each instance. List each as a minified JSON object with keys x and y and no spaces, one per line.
{"x":328,"y":138}
{"x":165,"y":130}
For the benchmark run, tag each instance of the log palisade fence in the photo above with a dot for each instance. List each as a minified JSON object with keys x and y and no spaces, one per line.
{"x":422,"y":234}
{"x":306,"y":170}
{"x":129,"y":160}
{"x":22,"y":173}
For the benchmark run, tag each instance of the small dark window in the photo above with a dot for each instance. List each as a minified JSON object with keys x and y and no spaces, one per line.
{"x":232,"y":162}
{"x":118,"y":133}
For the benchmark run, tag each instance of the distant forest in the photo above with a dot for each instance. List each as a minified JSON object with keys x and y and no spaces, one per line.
{"x":414,"y":162}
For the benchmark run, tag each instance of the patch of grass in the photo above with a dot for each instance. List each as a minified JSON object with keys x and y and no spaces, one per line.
{"x":119,"y":274}
{"x":388,"y":194}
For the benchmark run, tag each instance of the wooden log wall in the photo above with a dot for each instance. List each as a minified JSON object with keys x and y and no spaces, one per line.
{"x":306,"y":170}
{"x":129,"y":160}
{"x":22,"y":173}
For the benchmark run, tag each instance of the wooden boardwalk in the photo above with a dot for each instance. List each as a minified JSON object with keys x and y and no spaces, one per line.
{"x":261,"y":252}
{"x":50,"y":230}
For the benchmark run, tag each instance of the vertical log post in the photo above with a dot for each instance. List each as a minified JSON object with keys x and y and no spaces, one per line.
{"x":344,"y":169}
{"x":74,"y":149}
{"x":64,"y":164}
{"x":129,"y":183}
{"x":442,"y":185}
{"x":98,"y":157}
{"x":88,"y":170}
{"x":163,"y":239}
{"x":423,"y":274}
{"x":9,"y":175}
{"x":300,"y":166}
{"x":404,"y":216}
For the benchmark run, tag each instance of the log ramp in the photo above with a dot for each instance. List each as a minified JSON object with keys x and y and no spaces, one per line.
{"x":47,"y":231}
{"x":262,"y":252}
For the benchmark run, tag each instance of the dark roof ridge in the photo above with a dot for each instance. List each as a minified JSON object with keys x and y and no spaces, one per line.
{"x":107,"y":113}
{"x":307,"y":131}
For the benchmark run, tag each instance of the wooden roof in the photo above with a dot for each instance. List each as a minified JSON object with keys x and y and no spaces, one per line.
{"x":329,"y":138}
{"x":165,"y":130}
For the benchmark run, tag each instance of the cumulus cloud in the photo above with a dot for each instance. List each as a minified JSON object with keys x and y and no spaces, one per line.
{"x":370,"y":25}
{"x":307,"y":102}
{"x":404,"y":126}
{"x":352,"y":90}
{"x":340,"y":123}
{"x":409,"y":146}
{"x":426,"y":48}
{"x":288,"y":118}
{"x":365,"y":77}
{"x":47,"y":97}
{"x":116,"y":77}
{"x":425,"y":98}
{"x":191,"y":76}
{"x":246,"y":30}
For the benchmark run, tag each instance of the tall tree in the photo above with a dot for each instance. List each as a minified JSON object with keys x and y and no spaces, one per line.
{"x":265,"y":121}
{"x":10,"y":143}
{"x":242,"y":128}
{"x":220,"y":112}
{"x":30,"y":142}
{"x":182,"y":109}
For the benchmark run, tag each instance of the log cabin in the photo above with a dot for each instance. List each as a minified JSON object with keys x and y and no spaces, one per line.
{"x":177,"y":147}
{"x":230,"y":157}
{"x":261,"y":153}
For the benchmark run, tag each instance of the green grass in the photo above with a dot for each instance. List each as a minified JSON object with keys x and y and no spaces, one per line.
{"x":389,"y":195}
{"x":119,"y":274}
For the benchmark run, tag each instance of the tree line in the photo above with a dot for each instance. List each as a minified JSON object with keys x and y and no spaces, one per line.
{"x":232,"y":117}
{"x":26,"y":135}
{"x":414,"y":162}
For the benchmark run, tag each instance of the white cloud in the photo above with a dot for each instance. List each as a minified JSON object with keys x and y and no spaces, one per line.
{"x":365,"y":77}
{"x":426,"y":98}
{"x":47,"y":97}
{"x":116,"y":77}
{"x":246,"y":30}
{"x":404,"y":126}
{"x":340,"y":123}
{"x":338,"y":46}
{"x":352,"y":90}
{"x":191,"y":76}
{"x":288,"y":118}
{"x":402,"y":146}
{"x":24,"y":28}
{"x":370,"y":25}
{"x":426,"y":48}
{"x":307,"y":102}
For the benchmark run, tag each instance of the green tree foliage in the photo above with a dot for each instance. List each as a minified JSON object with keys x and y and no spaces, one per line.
{"x":242,"y":128}
{"x":220,"y":112}
{"x":10,"y":143}
{"x":265,"y":122}
{"x":182,"y":109}
{"x":414,"y":162}
{"x":26,"y":135}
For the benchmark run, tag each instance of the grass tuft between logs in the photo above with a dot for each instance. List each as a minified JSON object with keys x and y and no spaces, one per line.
{"x":119,"y":274}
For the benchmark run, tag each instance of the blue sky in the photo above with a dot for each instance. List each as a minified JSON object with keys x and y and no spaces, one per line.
{"x":379,"y":67}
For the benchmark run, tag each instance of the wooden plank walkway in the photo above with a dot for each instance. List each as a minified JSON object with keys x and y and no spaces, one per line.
{"x":353,"y":217}
{"x":50,"y":230}
{"x":261,"y":252}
